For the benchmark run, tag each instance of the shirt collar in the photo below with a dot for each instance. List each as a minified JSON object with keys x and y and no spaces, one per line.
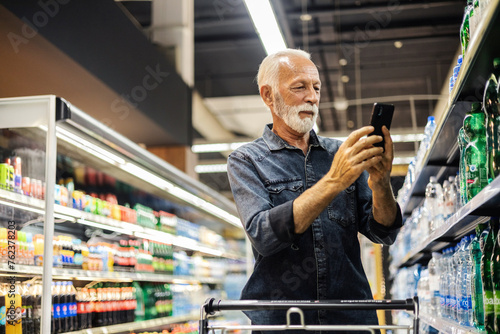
{"x":275,"y":142}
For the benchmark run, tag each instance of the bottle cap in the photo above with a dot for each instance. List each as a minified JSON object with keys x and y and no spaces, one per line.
{"x":433,"y":179}
{"x":430,"y":118}
{"x":460,"y":58}
{"x":496,"y":62}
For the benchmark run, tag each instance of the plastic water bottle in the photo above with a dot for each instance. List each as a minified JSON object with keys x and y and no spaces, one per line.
{"x":429,"y":129}
{"x":455,"y":277}
{"x":435,"y":201}
{"x":476,"y":282}
{"x":468,"y":321}
{"x":464,"y":282}
{"x":450,"y":197}
{"x":434,"y":275}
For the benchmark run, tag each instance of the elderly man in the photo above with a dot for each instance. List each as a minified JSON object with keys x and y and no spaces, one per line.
{"x":303,"y":199}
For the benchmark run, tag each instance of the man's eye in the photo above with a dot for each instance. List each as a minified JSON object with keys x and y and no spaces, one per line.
{"x":299,"y":87}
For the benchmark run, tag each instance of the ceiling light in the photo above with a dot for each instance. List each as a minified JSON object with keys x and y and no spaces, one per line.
{"x":266,"y":25}
{"x":344,"y":78}
{"x":305,"y":17}
{"x":342,"y":62}
{"x":398,"y":44}
{"x":341,"y":103}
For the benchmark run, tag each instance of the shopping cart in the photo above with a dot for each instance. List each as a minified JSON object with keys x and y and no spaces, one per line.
{"x":212,"y":306}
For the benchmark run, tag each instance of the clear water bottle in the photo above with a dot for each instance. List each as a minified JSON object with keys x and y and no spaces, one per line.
{"x":455,"y":278}
{"x":444,"y":287}
{"x":435,"y":201}
{"x":468,"y":282}
{"x":429,"y":129}
{"x":451,"y":197}
{"x":434,"y":267}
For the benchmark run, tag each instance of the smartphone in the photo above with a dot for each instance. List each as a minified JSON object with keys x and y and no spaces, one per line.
{"x":381,"y":115}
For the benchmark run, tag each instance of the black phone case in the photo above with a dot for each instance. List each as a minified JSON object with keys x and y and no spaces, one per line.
{"x":381,"y":115}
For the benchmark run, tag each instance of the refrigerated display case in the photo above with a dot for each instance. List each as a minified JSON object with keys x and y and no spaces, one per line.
{"x":49,"y":136}
{"x":442,"y":160}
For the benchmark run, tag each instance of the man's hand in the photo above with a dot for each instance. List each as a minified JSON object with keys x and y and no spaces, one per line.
{"x":379,"y":180}
{"x":380,"y":173}
{"x":356,"y":155}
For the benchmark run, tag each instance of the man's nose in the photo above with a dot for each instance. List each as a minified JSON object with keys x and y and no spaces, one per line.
{"x":312,"y":96}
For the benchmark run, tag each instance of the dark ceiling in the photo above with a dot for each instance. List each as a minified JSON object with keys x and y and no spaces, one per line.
{"x":363,"y":33}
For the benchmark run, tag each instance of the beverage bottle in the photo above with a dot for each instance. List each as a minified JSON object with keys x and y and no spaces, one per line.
{"x":99,"y":316}
{"x":2,"y":309}
{"x":434,"y":273}
{"x":451,"y":198}
{"x":13,"y":311}
{"x":489,"y":311}
{"x":491,"y":107}
{"x":3,"y":245}
{"x":91,"y":313}
{"x":463,"y":141}
{"x":435,"y":201}
{"x":476,"y":158}
{"x":468,"y":283}
{"x":27,"y":302}
{"x":64,"y":299}
{"x":495,"y":278}
{"x":81,"y":306}
{"x":455,"y":275}
{"x":36,"y":292}
{"x":442,"y":283}
{"x":54,"y":321}
{"x":464,"y":29}
{"x":476,"y":282}
{"x":464,"y":283}
{"x":72,"y":306}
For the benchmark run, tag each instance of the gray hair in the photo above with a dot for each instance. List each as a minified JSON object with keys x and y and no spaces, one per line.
{"x":269,"y":68}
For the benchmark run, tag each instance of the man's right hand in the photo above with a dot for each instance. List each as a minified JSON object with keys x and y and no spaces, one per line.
{"x":354,"y":156}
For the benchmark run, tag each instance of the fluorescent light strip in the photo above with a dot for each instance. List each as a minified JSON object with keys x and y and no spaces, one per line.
{"x":147,"y":176}
{"x":266,"y":25}
{"x":23,"y":207}
{"x":92,"y":149}
{"x":225,"y":147}
{"x":102,"y":226}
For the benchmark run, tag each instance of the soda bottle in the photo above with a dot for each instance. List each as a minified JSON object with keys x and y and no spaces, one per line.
{"x":495,"y":278}
{"x":81,"y":308}
{"x":13,"y":323}
{"x":91,"y":307}
{"x":489,"y":310}
{"x":476,"y":158}
{"x":27,"y":302}
{"x":36,"y":292}
{"x":463,"y":140}
{"x":72,"y":309}
{"x":491,"y":106}
{"x":476,"y":282}
{"x":140,"y":310}
{"x":99,"y":318}
{"x":2,"y":309}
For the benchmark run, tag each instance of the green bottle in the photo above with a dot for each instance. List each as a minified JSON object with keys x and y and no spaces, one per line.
{"x":495,"y":279}
{"x":488,"y":300}
{"x":476,"y":159}
{"x":463,"y":140}
{"x":491,"y":107}
{"x":140,"y":310}
{"x":464,"y":29}
{"x":477,"y":284}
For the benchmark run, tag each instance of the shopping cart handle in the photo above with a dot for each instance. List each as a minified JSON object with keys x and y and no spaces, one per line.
{"x":212,"y":305}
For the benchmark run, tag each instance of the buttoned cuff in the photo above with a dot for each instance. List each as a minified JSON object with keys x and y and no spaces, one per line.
{"x":281,"y":220}
{"x":384,"y":231}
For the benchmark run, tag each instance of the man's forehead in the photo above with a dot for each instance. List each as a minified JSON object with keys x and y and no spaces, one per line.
{"x":293,"y":66}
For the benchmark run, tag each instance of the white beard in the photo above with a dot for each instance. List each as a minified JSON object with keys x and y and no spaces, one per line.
{"x":290,"y":115}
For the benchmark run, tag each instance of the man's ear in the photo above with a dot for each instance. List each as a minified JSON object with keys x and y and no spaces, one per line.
{"x":266,"y":94}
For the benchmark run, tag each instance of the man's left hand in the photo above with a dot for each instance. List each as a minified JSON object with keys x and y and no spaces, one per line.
{"x":380,"y":174}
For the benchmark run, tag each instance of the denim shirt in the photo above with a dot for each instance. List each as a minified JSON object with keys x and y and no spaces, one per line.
{"x":322,"y":263}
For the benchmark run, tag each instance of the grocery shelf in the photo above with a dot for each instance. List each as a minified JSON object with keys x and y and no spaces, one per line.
{"x":441,"y":160}
{"x":92,"y":275}
{"x":139,"y":325}
{"x":447,"y":326}
{"x":35,"y":205}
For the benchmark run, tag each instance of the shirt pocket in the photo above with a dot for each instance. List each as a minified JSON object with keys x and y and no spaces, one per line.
{"x":342,"y":209}
{"x":282,"y":191}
